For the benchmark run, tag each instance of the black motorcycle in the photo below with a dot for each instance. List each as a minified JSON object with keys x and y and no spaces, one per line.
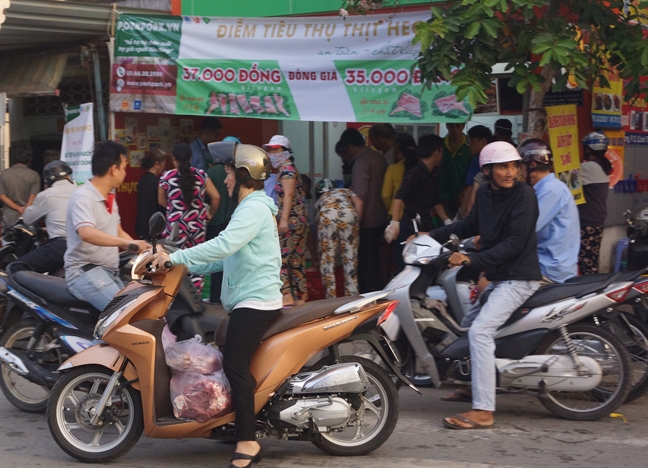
{"x":19,"y":239}
{"x":45,"y":325}
{"x":636,"y":255}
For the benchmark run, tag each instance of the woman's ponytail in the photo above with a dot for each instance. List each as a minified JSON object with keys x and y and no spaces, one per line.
{"x":186,"y":178}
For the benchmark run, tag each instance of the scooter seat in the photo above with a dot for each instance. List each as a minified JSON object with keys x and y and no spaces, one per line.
{"x":590,"y":279}
{"x":555,"y":292}
{"x":549,"y":293}
{"x":292,"y":317}
{"x":50,"y":288}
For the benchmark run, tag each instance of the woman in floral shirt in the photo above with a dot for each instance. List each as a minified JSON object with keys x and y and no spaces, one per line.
{"x":338,"y":224}
{"x":183,"y":191}
{"x":292,"y":221}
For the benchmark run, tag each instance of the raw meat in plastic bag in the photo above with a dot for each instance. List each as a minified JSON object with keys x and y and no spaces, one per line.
{"x":193,"y":356}
{"x":200,"y":397}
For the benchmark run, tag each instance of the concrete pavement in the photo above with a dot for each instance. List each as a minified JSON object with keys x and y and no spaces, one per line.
{"x":526,"y":435}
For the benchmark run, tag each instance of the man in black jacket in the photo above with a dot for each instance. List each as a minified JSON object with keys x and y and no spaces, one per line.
{"x":504,"y":216}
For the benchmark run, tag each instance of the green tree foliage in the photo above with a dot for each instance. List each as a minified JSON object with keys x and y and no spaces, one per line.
{"x":537,"y":39}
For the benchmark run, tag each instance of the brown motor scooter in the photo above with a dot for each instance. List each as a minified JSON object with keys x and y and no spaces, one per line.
{"x":115,"y":390}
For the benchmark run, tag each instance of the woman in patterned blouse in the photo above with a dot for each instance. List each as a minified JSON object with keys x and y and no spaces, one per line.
{"x":182,"y":191}
{"x":292,"y":221}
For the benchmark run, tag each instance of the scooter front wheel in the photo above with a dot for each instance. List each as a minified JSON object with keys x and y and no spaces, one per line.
{"x":71,"y":407}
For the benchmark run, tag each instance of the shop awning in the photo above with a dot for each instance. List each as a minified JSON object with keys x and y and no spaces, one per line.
{"x":38,"y":36}
{"x":32,"y":75}
{"x":41,"y":23}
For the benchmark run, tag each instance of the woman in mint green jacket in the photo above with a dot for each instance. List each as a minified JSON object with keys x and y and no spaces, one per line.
{"x":248,"y":254}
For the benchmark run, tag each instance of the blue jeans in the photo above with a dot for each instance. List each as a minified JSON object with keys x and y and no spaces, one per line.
{"x":506,"y":298}
{"x":96,"y":286}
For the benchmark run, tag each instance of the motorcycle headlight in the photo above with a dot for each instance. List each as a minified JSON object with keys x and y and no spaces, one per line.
{"x":104,"y":323}
{"x":423,"y":260}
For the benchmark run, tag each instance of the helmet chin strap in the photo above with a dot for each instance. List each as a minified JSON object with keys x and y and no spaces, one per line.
{"x":235,"y":194}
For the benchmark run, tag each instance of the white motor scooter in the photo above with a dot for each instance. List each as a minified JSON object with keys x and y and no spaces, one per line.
{"x":578,"y":371}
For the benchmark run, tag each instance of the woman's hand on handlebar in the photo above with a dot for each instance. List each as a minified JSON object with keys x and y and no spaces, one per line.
{"x":160,"y":261}
{"x":457,"y":259}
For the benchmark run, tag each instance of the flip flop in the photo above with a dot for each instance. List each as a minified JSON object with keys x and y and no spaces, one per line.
{"x":473,"y":424}
{"x":458,"y":396}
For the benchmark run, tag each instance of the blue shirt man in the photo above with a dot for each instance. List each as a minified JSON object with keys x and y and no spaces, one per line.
{"x":209,"y":133}
{"x":557,"y":227}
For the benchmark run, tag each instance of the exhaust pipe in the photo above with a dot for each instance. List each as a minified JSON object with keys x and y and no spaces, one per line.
{"x":13,"y":361}
{"x":23,"y":366}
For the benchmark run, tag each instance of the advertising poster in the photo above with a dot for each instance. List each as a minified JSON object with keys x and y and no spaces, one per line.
{"x":615,"y":154}
{"x":635,"y":121}
{"x":563,"y":138}
{"x":362,"y":69}
{"x":606,"y":103}
{"x":78,"y":140}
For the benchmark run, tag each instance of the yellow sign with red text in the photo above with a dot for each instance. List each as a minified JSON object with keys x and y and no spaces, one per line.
{"x":563,"y":138}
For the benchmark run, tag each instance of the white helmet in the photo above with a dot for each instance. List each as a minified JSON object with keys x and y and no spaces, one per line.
{"x":498,"y":152}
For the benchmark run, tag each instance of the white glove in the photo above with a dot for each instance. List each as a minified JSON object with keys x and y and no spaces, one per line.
{"x":447,"y":221}
{"x":392,"y":231}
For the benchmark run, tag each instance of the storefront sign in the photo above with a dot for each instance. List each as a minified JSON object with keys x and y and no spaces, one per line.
{"x":78,"y":141}
{"x":635,"y":119}
{"x":633,"y":184}
{"x":606,"y":103}
{"x":563,"y":138}
{"x":615,"y":154}
{"x":310,"y":68}
{"x":561,"y":98}
{"x":636,"y":139}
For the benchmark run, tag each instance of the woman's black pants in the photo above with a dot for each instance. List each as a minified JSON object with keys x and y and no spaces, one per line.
{"x":244,"y":332}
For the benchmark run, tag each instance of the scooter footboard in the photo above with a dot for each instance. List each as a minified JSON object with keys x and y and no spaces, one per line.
{"x":103,"y":355}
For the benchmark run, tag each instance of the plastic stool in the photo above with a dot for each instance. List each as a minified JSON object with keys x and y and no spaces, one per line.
{"x":622,"y":245}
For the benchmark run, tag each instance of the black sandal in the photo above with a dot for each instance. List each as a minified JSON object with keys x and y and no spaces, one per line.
{"x":242,"y":456}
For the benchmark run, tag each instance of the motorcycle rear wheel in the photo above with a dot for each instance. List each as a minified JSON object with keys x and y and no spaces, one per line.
{"x":599,"y":344}
{"x":381,"y":401}
{"x":23,"y":394}
{"x":72,"y":404}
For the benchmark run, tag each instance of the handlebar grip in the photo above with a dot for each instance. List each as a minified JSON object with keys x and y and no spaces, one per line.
{"x":133,"y":248}
{"x":168,"y":265}
{"x":465,"y":263}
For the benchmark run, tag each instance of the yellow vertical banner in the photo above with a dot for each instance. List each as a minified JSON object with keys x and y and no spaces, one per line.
{"x":606,"y":102}
{"x":563,"y":138}
{"x":615,"y":154}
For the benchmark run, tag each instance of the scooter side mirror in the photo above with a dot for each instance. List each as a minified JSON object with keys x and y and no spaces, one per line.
{"x":415,"y":223}
{"x":156,"y":225}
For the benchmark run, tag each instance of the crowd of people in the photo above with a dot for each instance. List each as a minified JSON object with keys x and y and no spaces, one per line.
{"x":388,"y":182}
{"x":233,"y":220}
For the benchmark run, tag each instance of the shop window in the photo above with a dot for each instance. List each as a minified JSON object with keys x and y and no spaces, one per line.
{"x":70,"y":93}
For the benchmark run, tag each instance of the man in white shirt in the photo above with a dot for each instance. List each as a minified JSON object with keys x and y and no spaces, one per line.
{"x":50,"y":204}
